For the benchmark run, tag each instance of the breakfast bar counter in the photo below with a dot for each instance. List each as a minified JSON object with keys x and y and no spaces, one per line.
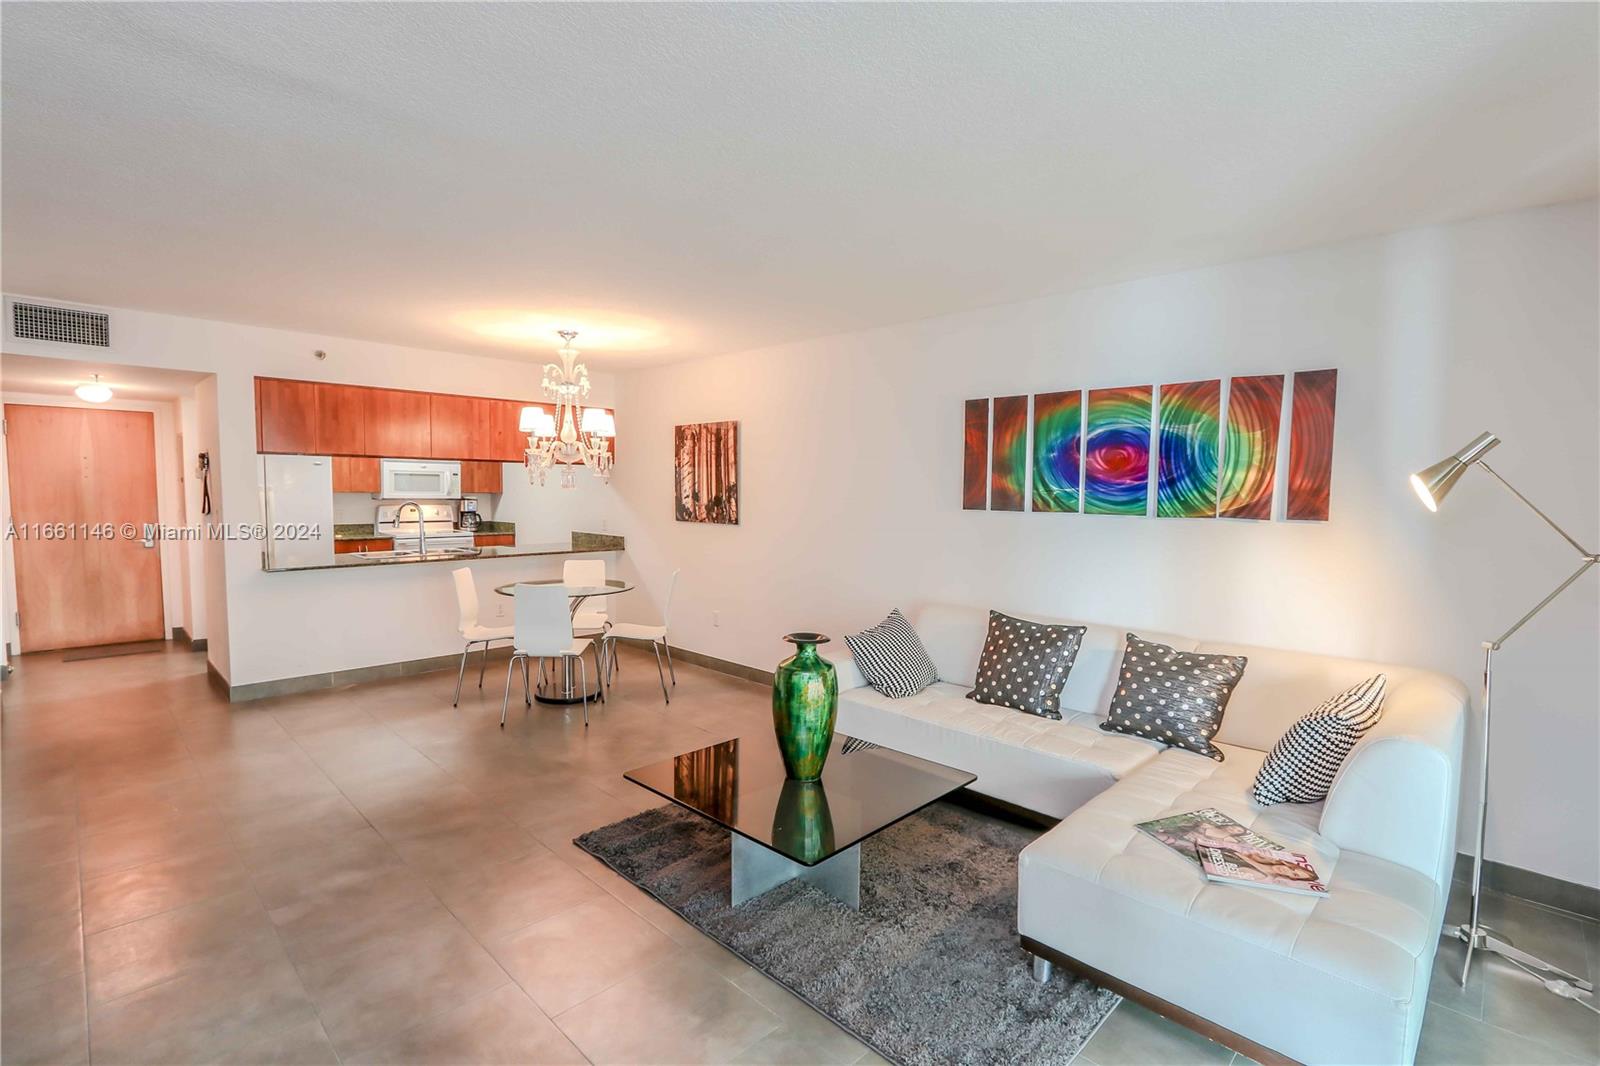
{"x":580,"y":544}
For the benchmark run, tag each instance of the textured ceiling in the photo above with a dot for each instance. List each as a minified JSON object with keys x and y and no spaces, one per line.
{"x":680,"y":180}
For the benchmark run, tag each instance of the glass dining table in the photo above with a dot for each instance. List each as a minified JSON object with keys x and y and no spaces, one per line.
{"x":563,"y":688}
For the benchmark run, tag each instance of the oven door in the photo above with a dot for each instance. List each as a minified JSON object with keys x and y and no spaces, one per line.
{"x":412,"y":479}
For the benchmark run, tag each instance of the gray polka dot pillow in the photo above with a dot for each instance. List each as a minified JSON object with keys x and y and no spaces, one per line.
{"x":1024,"y":664}
{"x":1176,"y":697}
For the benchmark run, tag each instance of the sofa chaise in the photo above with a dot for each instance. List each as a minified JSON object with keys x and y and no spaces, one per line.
{"x":1337,"y":979}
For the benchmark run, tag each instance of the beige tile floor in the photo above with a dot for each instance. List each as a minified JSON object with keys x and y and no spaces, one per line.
{"x":368,"y":875}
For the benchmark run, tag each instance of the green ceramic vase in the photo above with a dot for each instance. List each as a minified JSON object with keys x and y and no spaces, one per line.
{"x":805,"y":699}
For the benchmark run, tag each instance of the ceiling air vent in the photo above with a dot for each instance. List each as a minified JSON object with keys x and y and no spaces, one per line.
{"x":66,"y":325}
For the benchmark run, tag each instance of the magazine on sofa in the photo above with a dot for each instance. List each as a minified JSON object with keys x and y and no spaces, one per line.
{"x":1282,"y":871}
{"x":1184,"y":832}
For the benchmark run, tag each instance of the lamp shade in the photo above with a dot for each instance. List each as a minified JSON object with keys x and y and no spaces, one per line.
{"x":1433,"y":484}
{"x":598,"y":422}
{"x":537,"y":421}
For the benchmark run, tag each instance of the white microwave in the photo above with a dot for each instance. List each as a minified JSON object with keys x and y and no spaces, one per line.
{"x":420,"y":479}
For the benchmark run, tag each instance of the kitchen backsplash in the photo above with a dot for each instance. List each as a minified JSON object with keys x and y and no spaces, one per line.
{"x":353,"y":507}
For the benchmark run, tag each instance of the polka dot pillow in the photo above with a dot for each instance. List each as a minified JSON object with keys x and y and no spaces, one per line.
{"x":1176,"y":697}
{"x":1024,"y":664}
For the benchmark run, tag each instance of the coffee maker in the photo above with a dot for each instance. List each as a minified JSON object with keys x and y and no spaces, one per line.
{"x":469,"y":519}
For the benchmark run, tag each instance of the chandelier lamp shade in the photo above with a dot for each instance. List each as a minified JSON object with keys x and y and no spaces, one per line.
{"x":571,"y":435}
{"x":1432,"y":485}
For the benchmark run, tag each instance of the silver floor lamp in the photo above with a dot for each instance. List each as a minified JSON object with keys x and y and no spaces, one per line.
{"x":1432,"y":485}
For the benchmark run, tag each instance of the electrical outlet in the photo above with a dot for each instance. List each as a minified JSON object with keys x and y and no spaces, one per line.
{"x":716,"y":618}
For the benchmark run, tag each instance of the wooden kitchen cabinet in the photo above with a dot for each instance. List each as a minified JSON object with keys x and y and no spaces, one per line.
{"x":494,"y":540}
{"x":451,"y":421}
{"x":358,"y":421}
{"x":480,"y":477}
{"x":376,"y":544}
{"x":398,"y":424}
{"x":506,"y":442}
{"x":341,"y":420}
{"x":286,"y":416}
{"x":354,"y":473}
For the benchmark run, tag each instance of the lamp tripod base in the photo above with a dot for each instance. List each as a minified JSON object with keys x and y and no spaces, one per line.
{"x":1554,"y":978}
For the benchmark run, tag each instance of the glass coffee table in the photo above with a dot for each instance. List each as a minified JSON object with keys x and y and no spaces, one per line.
{"x":784,"y":830}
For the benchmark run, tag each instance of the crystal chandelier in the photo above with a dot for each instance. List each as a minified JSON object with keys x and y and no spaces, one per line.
{"x":572,"y":434}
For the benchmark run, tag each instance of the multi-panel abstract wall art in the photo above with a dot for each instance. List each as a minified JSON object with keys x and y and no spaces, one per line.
{"x":1116,"y":451}
{"x":1186,"y":478}
{"x":1057,"y":451}
{"x":975,"y":457}
{"x":1008,"y":482}
{"x":1250,"y":450}
{"x":1311,"y":444}
{"x":1195,"y":449}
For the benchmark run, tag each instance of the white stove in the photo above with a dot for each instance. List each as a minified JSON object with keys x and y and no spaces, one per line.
{"x":399,"y":520}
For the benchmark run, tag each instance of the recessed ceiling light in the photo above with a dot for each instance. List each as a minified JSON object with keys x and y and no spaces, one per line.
{"x":93,"y":391}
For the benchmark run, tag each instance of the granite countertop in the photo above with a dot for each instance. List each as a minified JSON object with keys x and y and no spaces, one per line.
{"x":581,"y":544}
{"x":360,"y":531}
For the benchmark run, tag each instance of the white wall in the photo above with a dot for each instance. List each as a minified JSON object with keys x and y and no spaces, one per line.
{"x":274,"y":626}
{"x":851,"y":481}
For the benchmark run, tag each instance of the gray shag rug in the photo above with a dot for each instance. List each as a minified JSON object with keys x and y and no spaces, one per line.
{"x":928,"y":971}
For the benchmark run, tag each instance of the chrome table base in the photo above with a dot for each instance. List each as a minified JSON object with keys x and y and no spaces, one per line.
{"x":758,"y":869}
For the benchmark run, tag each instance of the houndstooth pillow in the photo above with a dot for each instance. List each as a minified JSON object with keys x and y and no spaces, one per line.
{"x":1176,"y":697}
{"x":891,"y":657}
{"x":1024,"y":664}
{"x":1301,"y":766}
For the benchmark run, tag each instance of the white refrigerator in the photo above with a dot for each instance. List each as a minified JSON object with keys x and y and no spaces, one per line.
{"x":297,"y":509}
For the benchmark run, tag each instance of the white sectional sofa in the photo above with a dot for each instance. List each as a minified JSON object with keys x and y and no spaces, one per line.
{"x":1338,"y":979}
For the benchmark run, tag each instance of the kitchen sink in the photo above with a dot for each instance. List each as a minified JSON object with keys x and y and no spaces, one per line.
{"x":402,"y":555}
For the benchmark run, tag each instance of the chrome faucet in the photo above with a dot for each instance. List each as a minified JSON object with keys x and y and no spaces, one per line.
{"x":422,"y":529}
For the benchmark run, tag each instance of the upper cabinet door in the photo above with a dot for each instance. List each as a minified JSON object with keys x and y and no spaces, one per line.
{"x":452,"y":419}
{"x":508,"y":442}
{"x":341,"y":420}
{"x":286,"y":416}
{"x":398,"y":424}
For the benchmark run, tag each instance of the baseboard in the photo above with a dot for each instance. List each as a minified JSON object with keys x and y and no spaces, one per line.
{"x":1547,"y":891}
{"x":289,"y":686}
{"x":181,"y":635}
{"x":710,"y":662}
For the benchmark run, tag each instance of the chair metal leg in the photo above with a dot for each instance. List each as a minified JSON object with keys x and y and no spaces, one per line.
{"x":670,"y":668}
{"x":462,"y":673}
{"x":506,"y":700}
{"x":600,"y":669}
{"x":583,"y":680}
{"x":484,"y":665}
{"x":659,"y":673}
{"x":527,"y":694}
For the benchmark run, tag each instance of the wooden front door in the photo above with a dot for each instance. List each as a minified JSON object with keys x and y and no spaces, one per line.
{"x":81,"y":481}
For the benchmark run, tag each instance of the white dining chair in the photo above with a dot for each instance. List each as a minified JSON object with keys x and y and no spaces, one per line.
{"x":543,"y":625}
{"x":656,"y":635}
{"x":472,"y":631}
{"x":591,"y":619}
{"x":591,"y":616}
